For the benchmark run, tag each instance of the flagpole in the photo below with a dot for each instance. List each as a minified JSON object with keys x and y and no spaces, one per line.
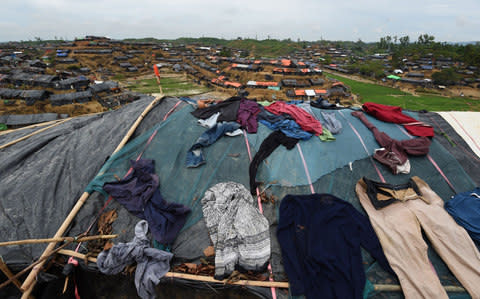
{"x":157,"y":74}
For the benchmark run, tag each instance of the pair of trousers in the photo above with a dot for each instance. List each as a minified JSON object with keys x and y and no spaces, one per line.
{"x":195,"y":156}
{"x":398,"y":227}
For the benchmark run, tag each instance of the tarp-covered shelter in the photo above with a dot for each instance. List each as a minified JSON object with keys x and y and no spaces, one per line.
{"x":17,"y":120}
{"x":44,"y":175}
{"x":70,"y":98}
{"x":79,"y":82}
{"x":21,"y":78}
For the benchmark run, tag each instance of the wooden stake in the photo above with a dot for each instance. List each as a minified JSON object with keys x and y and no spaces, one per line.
{"x":33,"y":265}
{"x":31,"y":134}
{"x":9,"y":274}
{"x":269,"y":284}
{"x":29,"y":282}
{"x":159,"y":86}
{"x":56,"y":240}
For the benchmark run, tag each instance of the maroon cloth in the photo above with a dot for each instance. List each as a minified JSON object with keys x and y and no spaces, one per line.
{"x":394,"y":114}
{"x":247,"y":115}
{"x":306,"y":121}
{"x":397,"y":150}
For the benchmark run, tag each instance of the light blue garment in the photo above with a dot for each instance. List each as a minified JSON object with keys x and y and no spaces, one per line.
{"x":288,"y":127}
{"x":331,"y":122}
{"x":152,"y":263}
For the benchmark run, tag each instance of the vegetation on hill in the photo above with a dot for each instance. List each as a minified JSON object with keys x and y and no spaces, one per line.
{"x":369,"y":92}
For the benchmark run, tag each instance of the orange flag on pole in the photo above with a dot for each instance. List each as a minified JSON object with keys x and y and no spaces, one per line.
{"x":155,"y":69}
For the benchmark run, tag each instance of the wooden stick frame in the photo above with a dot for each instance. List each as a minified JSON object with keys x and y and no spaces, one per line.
{"x":29,"y":282}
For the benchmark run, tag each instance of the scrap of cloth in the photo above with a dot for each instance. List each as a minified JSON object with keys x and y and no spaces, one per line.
{"x":152,"y":263}
{"x":195,"y":156}
{"x":228,"y":110}
{"x":247,"y":115}
{"x":331,"y":122}
{"x":289,"y":127}
{"x":269,"y":144}
{"x":465,"y":209}
{"x":395,"y":154}
{"x":239,"y":232}
{"x":394,"y":114}
{"x":139,"y":193}
{"x":320,"y":236}
{"x":306,"y":121}
{"x":399,"y":228}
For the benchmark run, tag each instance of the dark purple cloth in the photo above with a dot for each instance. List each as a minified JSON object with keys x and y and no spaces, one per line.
{"x":398,"y":149}
{"x":139,"y":193}
{"x":247,"y":115}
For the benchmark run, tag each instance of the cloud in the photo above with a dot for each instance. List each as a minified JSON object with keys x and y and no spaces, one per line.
{"x":306,"y":19}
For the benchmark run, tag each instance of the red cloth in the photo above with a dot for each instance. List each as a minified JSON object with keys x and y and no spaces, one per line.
{"x":306,"y":121}
{"x":394,"y":114}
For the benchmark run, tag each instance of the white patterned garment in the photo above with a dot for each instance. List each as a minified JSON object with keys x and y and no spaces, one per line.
{"x":239,"y":232}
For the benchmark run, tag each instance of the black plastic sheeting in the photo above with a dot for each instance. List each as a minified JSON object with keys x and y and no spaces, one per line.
{"x":43,"y":177}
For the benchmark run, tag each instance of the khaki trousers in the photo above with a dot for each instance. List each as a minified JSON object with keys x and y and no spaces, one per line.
{"x":398,"y":227}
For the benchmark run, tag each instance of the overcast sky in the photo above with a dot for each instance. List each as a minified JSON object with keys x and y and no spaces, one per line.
{"x":368,"y":20}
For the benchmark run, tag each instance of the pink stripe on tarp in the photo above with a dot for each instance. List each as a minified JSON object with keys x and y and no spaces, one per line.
{"x":259,"y":200}
{"x":431,"y":161}
{"x":110,"y":198}
{"x":171,"y":110}
{"x":474,"y":141}
{"x":364,"y":147}
{"x":305,"y":167}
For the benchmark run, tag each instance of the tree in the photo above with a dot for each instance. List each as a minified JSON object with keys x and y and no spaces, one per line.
{"x":445,"y":77}
{"x":225,"y":52}
{"x":404,"y":41}
{"x":425,"y":39}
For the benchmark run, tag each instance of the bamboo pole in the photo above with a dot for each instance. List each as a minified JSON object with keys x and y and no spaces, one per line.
{"x":4,"y":268}
{"x":269,"y":284}
{"x":31,"y":134}
{"x":34,"y":266}
{"x":73,"y":253}
{"x":30,"y":127}
{"x":56,"y":240}
{"x":396,"y":288}
{"x":29,"y":282}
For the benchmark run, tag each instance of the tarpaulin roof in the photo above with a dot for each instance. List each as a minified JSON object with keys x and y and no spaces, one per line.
{"x":44,"y":175}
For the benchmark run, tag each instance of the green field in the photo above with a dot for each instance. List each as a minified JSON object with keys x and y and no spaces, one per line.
{"x":391,"y":96}
{"x":171,"y":86}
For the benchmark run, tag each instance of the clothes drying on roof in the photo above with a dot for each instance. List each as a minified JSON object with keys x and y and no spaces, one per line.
{"x":394,"y":114}
{"x":394,"y":152}
{"x":464,"y":207}
{"x":399,"y":228}
{"x":239,"y":232}
{"x":247,"y":115}
{"x":331,"y":123}
{"x":306,"y":121}
{"x":195,"y":156}
{"x":269,"y":144}
{"x":228,"y":110}
{"x":270,"y":117}
{"x":209,"y":122}
{"x":289,"y":127}
{"x":152,"y":263}
{"x":139,"y":193}
{"x":320,"y":236}
{"x":384,"y":194}
{"x":322,"y":103}
{"x":326,"y":136}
